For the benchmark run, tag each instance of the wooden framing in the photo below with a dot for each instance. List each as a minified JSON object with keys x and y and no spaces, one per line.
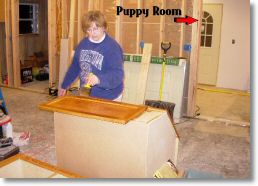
{"x":52,"y":42}
{"x":139,"y":29}
{"x":15,"y":42}
{"x":71,"y":22}
{"x":182,"y":32}
{"x":194,"y":57}
{"x":81,"y":11}
{"x":97,"y":5}
{"x":90,"y":5}
{"x":8,"y":43}
{"x":65,"y":28}
{"x":162,"y":26}
{"x":12,"y":31}
{"x":118,"y":24}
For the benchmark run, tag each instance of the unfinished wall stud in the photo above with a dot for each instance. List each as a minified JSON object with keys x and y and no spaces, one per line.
{"x":118,"y":24}
{"x":182,"y":32}
{"x":194,"y":57}
{"x":81,"y":12}
{"x":15,"y":42}
{"x":8,"y":43}
{"x":139,"y":28}
{"x":52,"y":54}
{"x":65,"y":26}
{"x":162,"y":26}
{"x":71,"y":22}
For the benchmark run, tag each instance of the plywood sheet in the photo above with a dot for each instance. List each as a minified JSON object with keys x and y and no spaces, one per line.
{"x":95,"y":108}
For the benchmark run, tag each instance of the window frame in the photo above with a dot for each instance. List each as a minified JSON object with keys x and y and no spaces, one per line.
{"x":34,"y":19}
{"x":205,"y":23}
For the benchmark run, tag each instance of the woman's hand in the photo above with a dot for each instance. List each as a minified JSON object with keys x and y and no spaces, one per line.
{"x":92,"y":80}
{"x":61,"y":92}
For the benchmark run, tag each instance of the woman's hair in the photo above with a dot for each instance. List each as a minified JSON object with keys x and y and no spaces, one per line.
{"x":93,"y":16}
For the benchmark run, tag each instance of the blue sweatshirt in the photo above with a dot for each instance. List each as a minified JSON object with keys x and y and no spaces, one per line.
{"x":105,"y":60}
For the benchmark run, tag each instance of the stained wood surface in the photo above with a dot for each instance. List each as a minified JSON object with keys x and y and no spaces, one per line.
{"x":100,"y":109}
{"x":38,"y":163}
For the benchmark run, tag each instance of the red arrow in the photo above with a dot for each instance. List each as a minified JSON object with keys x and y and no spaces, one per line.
{"x":187,"y":20}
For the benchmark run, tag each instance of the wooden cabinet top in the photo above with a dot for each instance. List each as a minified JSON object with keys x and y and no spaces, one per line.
{"x":100,"y":109}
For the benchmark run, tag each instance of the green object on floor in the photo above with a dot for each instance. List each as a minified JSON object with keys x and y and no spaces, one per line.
{"x":191,"y":173}
{"x":35,"y":71}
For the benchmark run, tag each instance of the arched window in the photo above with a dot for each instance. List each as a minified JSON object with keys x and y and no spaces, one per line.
{"x":206,"y":30}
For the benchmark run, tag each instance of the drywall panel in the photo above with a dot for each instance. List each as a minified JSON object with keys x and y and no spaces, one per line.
{"x":173,"y":83}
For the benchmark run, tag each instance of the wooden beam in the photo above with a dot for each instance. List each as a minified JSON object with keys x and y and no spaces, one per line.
{"x":71,"y":22}
{"x":194,"y":57}
{"x":52,"y":50}
{"x":182,"y":31}
{"x":139,"y":28}
{"x":162,"y":26}
{"x":96,"y":5}
{"x":15,"y":42}
{"x":64,"y":10}
{"x":90,"y":5}
{"x":118,"y":24}
{"x":101,"y":6}
{"x":81,"y":11}
{"x":58,"y":30}
{"x":142,"y":81}
{"x":8,"y":42}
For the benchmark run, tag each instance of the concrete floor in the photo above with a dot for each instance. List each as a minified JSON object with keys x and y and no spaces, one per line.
{"x":223,"y":104}
{"x":217,"y":146}
{"x":36,"y":86}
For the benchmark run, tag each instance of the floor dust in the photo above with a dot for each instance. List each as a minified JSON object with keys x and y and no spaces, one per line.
{"x":222,"y":128}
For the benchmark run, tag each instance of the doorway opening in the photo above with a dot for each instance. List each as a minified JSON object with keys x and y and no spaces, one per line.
{"x":33,"y":45}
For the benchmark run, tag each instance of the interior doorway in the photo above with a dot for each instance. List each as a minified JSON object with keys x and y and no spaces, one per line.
{"x":33,"y":45}
{"x":210,"y":44}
